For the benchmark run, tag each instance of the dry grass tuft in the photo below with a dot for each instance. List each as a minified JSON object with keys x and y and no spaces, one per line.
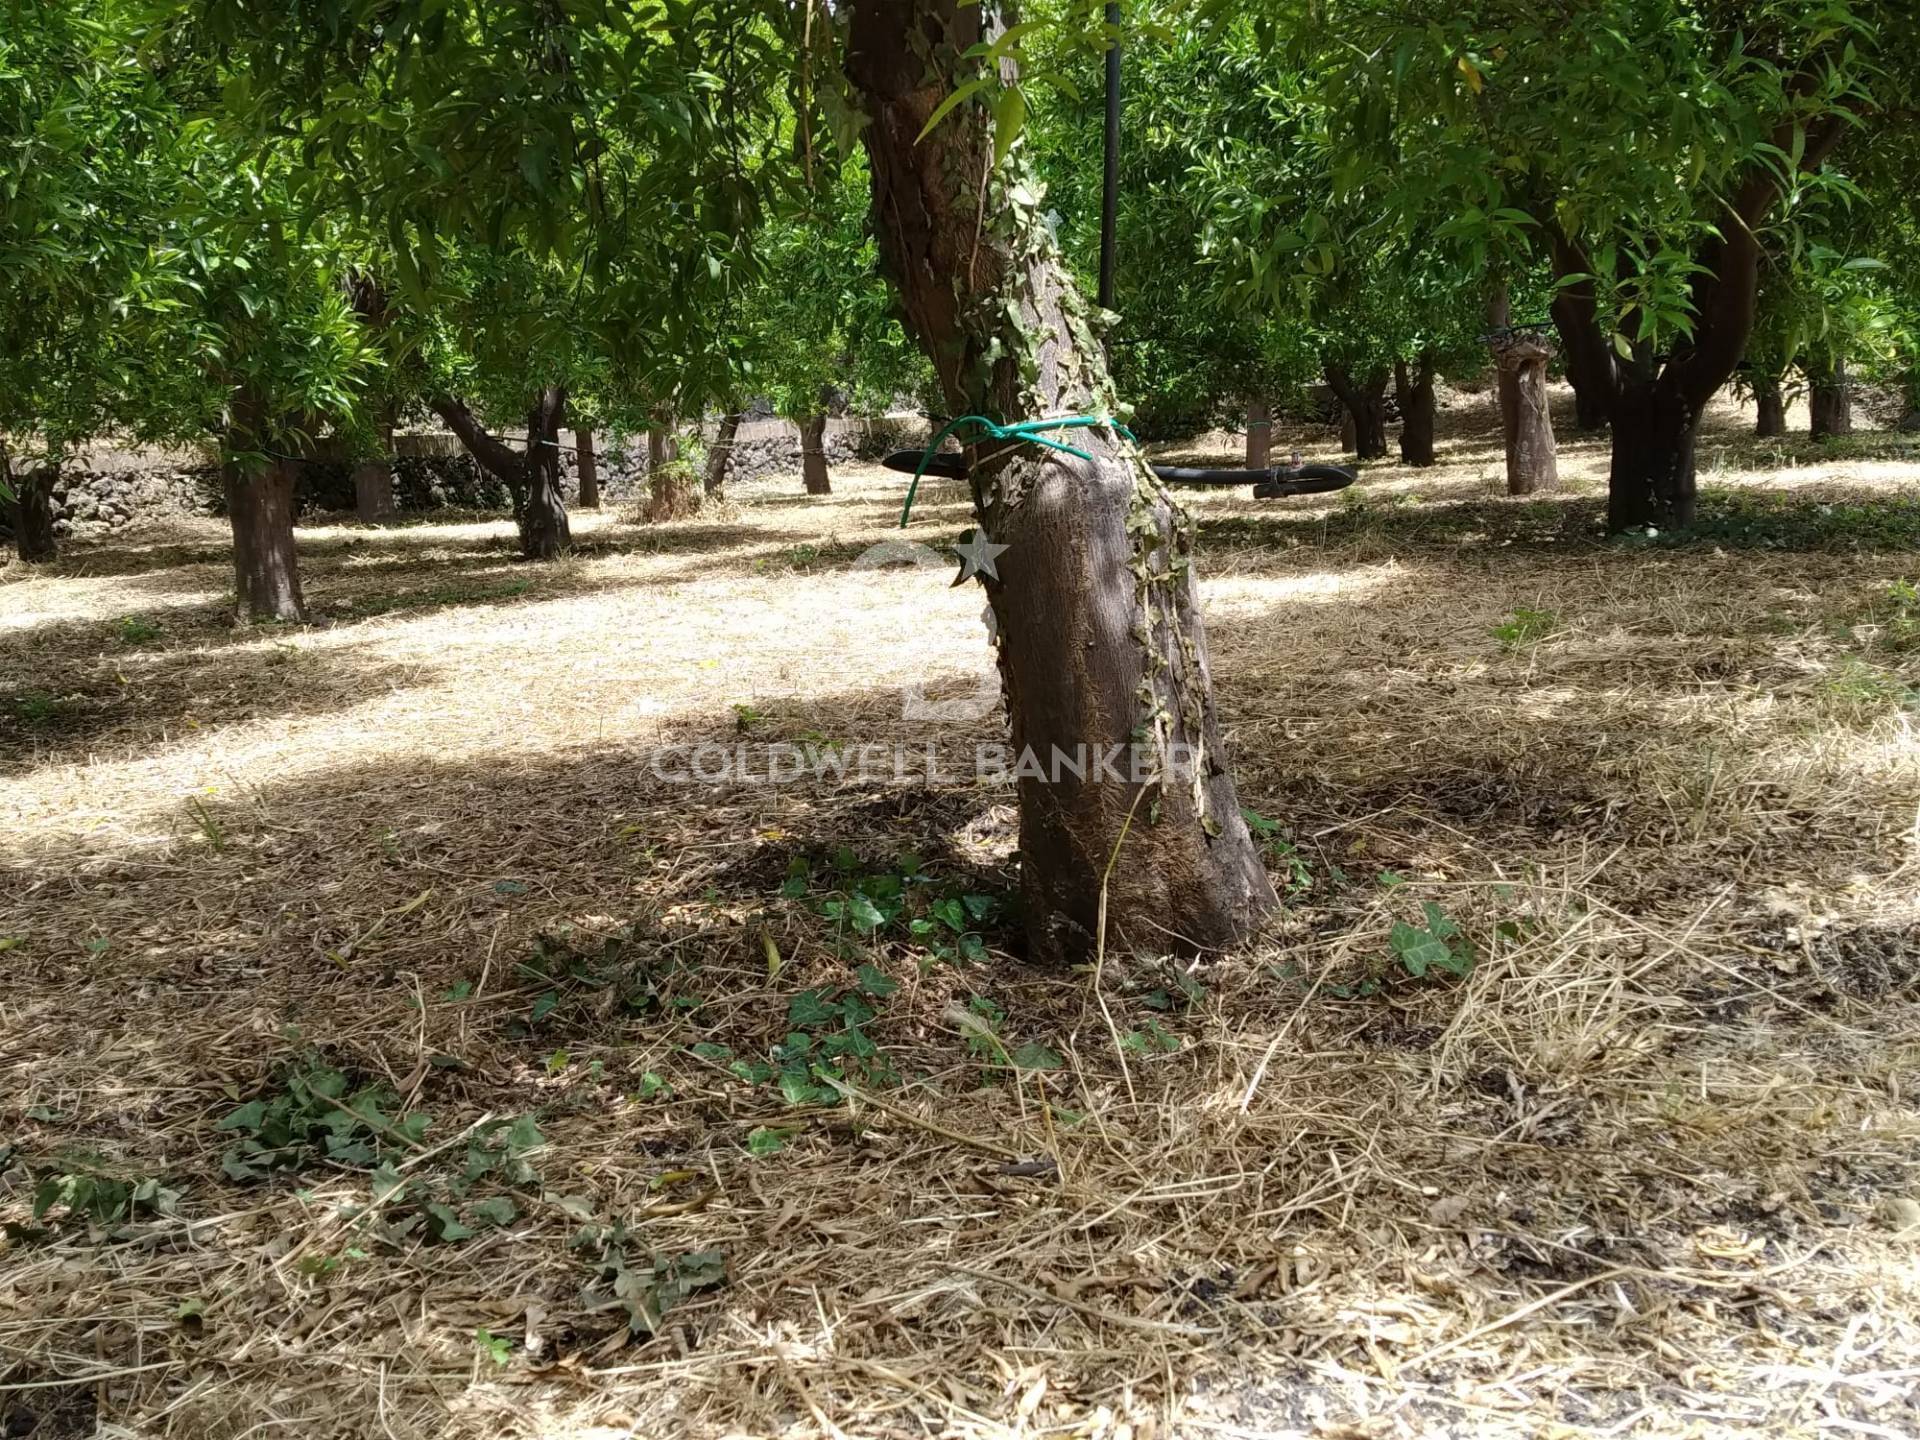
{"x":1649,"y":1169}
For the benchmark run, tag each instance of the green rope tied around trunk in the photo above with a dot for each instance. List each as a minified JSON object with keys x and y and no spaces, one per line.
{"x":1021,"y":432}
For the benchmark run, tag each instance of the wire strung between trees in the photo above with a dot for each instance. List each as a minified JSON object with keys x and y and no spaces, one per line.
{"x":1023,"y":432}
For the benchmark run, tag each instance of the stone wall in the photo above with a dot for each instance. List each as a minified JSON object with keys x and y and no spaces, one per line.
{"x":108,"y":487}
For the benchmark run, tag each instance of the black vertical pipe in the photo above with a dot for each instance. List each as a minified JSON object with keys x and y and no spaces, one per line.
{"x":1110,"y":184}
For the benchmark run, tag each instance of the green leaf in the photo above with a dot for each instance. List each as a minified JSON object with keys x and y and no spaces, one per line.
{"x":873,"y":981}
{"x":495,"y":1210}
{"x":1009,"y":118}
{"x":812,"y":1008}
{"x":249,"y":1116}
{"x":763,"y":1141}
{"x":1035,"y":1056}
{"x":445,"y":1226}
{"x":941,"y":111}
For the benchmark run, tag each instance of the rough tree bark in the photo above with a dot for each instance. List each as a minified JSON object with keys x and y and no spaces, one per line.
{"x":544,"y":531}
{"x":1830,"y":403}
{"x":721,"y":455}
{"x":258,"y":487}
{"x":813,"y":455}
{"x":532,"y":479}
{"x":1414,"y":390}
{"x":1532,"y":462}
{"x":1102,"y":650}
{"x":588,"y":466}
{"x":1259,"y":433}
{"x":32,"y":510}
{"x":1770,"y":407}
{"x":1366,"y":405}
{"x":1655,"y":407}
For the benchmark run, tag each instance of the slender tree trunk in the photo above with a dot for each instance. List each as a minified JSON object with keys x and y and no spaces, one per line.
{"x":1366,"y":406}
{"x":266,"y":570}
{"x":1589,"y":359}
{"x":1349,"y":432}
{"x":1770,"y":403}
{"x":1830,"y":403}
{"x":720,"y":457}
{"x":32,"y":511}
{"x":813,"y":455}
{"x":1414,"y":391}
{"x":1102,"y":650}
{"x":588,"y":468}
{"x":1532,"y":462}
{"x":544,"y":532}
{"x":657,"y":449}
{"x":1259,"y":433}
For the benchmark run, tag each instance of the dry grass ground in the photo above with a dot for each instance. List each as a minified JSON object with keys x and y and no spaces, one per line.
{"x":1649,"y":1170}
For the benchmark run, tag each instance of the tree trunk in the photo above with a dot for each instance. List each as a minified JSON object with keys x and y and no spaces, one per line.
{"x":266,"y":570}
{"x":373,"y":479}
{"x":720,"y":457}
{"x":544,"y":532}
{"x":813,"y":455}
{"x":532,"y":479}
{"x":587,"y":465}
{"x":656,"y":449}
{"x":1770,"y":402}
{"x":1652,"y":480}
{"x":1589,"y":358}
{"x":1830,"y":403}
{"x":32,"y":509}
{"x":1414,"y":391}
{"x":1349,"y":432}
{"x":1259,"y":433}
{"x":1366,"y":406}
{"x":1102,"y":651}
{"x":1532,"y":462}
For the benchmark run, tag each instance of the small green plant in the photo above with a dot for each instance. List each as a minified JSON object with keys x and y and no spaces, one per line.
{"x":1898,"y":614}
{"x":982,"y":1023}
{"x":492,"y":1347}
{"x":211,"y":830}
{"x":1525,"y":626}
{"x":1276,"y":840}
{"x":949,"y":922}
{"x":646,"y":1290}
{"x":1436,"y":945}
{"x":1151,"y":1038}
{"x":1857,"y":682}
{"x":135,"y":630}
{"x":317,"y":1118}
{"x":91,"y":1193}
{"x":37,"y":707}
{"x":746,"y":718}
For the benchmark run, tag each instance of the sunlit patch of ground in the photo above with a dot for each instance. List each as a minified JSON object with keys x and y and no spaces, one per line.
{"x":1648,"y":1169}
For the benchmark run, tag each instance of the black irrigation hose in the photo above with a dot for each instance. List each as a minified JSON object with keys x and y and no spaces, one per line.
{"x":1269,"y":484}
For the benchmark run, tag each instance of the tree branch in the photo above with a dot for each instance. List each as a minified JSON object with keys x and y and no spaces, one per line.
{"x":491,"y":452}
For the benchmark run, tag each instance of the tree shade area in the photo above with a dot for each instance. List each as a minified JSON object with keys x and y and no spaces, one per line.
{"x":758,"y":717}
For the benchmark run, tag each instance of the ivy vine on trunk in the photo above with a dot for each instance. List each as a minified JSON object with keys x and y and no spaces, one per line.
{"x":1101,"y":645}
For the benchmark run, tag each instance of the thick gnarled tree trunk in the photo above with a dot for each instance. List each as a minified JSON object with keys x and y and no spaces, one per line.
{"x":1259,"y":433}
{"x":587,"y":466}
{"x":1830,"y":403}
{"x":1365,"y":401}
{"x":32,"y":511}
{"x":532,"y":479}
{"x":1102,"y":650}
{"x":1413,"y":389}
{"x":813,"y":455}
{"x":1533,"y":464}
{"x":720,"y":457}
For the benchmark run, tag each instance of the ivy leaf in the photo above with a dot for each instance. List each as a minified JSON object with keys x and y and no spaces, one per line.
{"x":1035,"y":1056}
